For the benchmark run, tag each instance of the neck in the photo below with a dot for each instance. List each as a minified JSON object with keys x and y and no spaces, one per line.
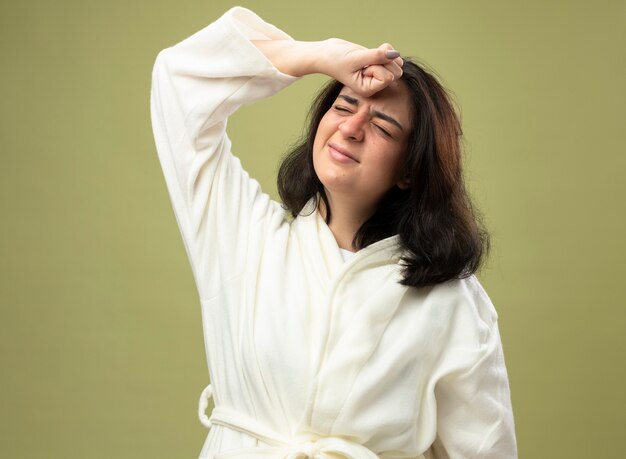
{"x":346,"y":219}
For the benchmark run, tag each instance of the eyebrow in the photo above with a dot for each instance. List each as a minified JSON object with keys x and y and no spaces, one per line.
{"x":376,"y":113}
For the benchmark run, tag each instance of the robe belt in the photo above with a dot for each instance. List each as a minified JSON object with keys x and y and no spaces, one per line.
{"x":280,"y":447}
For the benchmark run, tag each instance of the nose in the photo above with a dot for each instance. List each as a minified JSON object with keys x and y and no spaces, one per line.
{"x":352,"y":127}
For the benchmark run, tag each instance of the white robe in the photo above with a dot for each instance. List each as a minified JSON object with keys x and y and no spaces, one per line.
{"x":308,"y":355}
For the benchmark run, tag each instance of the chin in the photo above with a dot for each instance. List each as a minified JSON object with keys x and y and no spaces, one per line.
{"x":333,"y":178}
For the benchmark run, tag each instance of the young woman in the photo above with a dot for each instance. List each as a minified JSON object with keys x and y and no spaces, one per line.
{"x":356,"y":329}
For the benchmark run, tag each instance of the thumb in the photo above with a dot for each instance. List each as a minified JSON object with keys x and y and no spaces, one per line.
{"x":382,"y":55}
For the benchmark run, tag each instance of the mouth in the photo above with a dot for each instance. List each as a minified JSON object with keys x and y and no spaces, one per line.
{"x":341,"y":154}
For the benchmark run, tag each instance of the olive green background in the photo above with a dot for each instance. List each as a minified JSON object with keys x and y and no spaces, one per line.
{"x":100,"y":335}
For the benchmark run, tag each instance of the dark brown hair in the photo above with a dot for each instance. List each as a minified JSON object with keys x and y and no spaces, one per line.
{"x":439,"y":228}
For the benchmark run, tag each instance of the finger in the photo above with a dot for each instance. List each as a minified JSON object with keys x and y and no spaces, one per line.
{"x":396,"y":63}
{"x":392,"y":54}
{"x":382,"y":55}
{"x":375,"y":78}
{"x":395,"y":56}
{"x":395,"y":69}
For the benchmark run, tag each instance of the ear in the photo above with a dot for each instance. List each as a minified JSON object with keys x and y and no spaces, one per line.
{"x":404,"y":183}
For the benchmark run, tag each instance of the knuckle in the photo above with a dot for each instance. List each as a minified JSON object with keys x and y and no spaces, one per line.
{"x":367,"y":92}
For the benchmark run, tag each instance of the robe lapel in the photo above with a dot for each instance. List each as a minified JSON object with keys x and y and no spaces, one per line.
{"x":350,"y":343}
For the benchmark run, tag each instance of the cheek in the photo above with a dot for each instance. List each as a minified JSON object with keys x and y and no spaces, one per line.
{"x":389,"y":168}
{"x":318,"y":143}
{"x":324,"y":129}
{"x":389,"y":162}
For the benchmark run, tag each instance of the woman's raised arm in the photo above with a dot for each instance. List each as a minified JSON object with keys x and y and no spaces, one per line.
{"x":366,"y":71}
{"x":196,"y":85}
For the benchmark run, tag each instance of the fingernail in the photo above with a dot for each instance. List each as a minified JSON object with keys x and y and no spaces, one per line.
{"x":392,"y":54}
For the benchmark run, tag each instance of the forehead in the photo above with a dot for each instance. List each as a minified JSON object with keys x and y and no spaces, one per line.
{"x":393,"y":100}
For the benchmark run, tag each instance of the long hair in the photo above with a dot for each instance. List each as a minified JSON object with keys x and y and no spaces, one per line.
{"x":438,"y":226}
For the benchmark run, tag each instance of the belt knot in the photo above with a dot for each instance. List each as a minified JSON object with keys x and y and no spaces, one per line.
{"x":279,"y":447}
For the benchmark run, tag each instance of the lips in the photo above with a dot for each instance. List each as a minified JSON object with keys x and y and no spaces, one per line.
{"x":341,"y":154}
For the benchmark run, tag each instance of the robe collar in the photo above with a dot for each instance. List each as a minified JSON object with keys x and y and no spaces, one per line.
{"x":325,"y":250}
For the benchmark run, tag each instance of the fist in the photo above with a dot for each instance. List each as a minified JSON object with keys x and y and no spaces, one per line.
{"x":366,"y":71}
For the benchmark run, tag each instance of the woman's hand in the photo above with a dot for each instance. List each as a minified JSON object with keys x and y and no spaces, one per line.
{"x":365,"y":71}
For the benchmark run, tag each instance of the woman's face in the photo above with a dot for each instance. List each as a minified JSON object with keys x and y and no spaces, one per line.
{"x":360,"y":144}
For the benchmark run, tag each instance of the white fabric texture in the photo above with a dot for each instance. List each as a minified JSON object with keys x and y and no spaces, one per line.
{"x":308,"y":355}
{"x":346,"y":254}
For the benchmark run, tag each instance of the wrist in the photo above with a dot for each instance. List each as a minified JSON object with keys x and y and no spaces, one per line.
{"x":311,"y":57}
{"x":299,"y":58}
{"x":295,"y":58}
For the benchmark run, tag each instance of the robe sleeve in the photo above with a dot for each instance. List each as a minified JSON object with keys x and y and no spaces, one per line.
{"x":196,"y":85}
{"x":474,"y":412}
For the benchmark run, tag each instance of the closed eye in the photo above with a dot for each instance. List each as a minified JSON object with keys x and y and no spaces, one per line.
{"x":385,"y":132}
{"x":382,"y":130}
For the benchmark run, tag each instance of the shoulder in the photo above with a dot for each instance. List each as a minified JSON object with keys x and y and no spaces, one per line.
{"x":458,"y":295}
{"x":472,"y":294}
{"x":460,"y":309}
